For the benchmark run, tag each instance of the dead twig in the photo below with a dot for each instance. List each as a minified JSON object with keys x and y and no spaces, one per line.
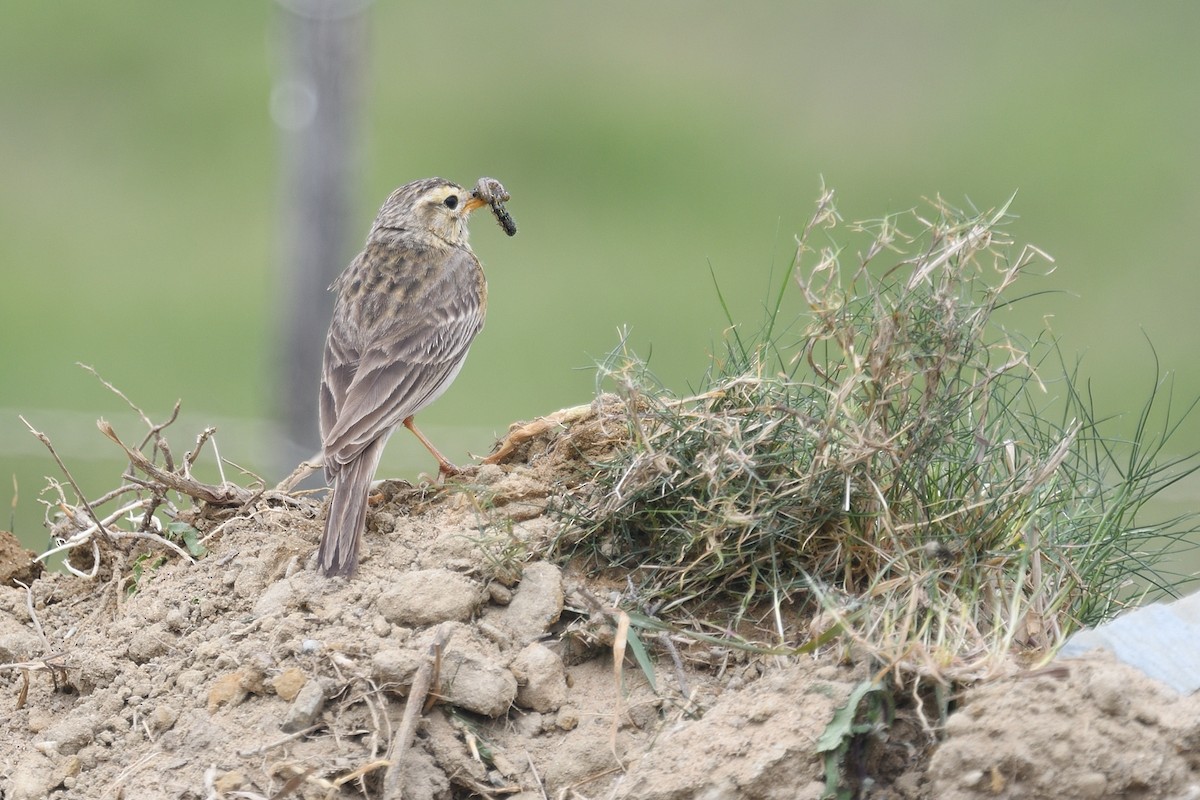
{"x":189,"y":458}
{"x":44,"y":439}
{"x":281,"y":741}
{"x":155,"y":430}
{"x":354,"y":775}
{"x":424,"y":679}
{"x":227,"y":494}
{"x":154,"y":537}
{"x":37,"y":624}
{"x":302,"y":471}
{"x":52,"y":663}
{"x":619,"y":641}
{"x":664,"y":639}
{"x":84,"y":536}
{"x":153,"y":485}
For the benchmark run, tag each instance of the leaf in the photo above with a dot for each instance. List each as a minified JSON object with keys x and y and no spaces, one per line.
{"x":189,"y":536}
{"x":143,"y":565}
{"x":641,"y":656}
{"x":841,"y":728}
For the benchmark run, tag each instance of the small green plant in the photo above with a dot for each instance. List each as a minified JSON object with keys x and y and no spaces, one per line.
{"x":188,"y":536}
{"x":925,"y":484}
{"x":143,"y":567}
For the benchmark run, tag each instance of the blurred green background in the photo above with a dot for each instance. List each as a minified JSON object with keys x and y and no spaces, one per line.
{"x":642,"y":143}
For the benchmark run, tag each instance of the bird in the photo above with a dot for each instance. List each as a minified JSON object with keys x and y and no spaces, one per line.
{"x":406,"y":311}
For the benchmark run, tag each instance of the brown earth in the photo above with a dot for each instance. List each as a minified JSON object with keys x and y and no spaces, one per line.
{"x":248,"y":675}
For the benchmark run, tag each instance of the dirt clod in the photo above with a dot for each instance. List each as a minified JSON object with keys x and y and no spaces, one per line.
{"x":429,"y":596}
{"x":1079,"y":736}
{"x":541,"y":679}
{"x":16,"y":563}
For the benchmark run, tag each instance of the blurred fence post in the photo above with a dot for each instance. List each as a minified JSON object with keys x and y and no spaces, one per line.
{"x":315,"y":103}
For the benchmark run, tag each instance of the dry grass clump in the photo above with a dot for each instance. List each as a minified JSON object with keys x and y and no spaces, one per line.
{"x":892,"y":461}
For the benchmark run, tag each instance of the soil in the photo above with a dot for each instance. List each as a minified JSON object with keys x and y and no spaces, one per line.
{"x":249,"y":675}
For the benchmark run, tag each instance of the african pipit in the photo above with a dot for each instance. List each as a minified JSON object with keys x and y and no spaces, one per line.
{"x":407,"y":309}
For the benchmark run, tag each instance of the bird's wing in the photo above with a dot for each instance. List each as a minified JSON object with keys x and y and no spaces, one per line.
{"x":342,"y":355}
{"x":403,"y":359}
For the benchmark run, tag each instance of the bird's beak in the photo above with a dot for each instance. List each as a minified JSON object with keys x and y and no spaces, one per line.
{"x":473,"y":204}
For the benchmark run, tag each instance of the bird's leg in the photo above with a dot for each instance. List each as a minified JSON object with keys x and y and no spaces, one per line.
{"x":445,"y":468}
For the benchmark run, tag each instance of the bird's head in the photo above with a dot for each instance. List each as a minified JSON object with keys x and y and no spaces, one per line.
{"x":434,"y":206}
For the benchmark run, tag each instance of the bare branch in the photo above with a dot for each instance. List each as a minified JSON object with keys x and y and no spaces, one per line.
{"x":122,"y":395}
{"x":44,"y":439}
{"x":226,"y":494}
{"x":302,"y":471}
{"x":155,"y":431}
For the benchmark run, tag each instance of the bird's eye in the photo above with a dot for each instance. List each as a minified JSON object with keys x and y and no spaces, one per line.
{"x":451,"y":201}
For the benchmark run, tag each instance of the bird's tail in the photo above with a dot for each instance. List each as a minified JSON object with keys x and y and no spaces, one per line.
{"x":338,"y":554}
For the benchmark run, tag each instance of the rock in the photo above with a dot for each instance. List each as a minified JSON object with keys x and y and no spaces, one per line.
{"x":189,"y":679}
{"x":535,"y":606}
{"x":33,"y":778}
{"x":17,"y":642}
{"x":70,"y":767}
{"x":229,"y":782}
{"x":1092,"y":785}
{"x":423,"y":778}
{"x":428,"y":597}
{"x":499,"y":594}
{"x":227,"y":691}
{"x":528,"y":725}
{"x":567,"y":718}
{"x":162,"y":717}
{"x":1065,"y":735}
{"x":395,"y":665}
{"x":276,"y":600}
{"x":477,"y":684}
{"x":1108,"y":693}
{"x":39,"y":719}
{"x":71,"y":734}
{"x":97,"y":669}
{"x":541,"y":678}
{"x":250,"y":580}
{"x":756,"y":746}
{"x":254,"y":673}
{"x":305,"y":708}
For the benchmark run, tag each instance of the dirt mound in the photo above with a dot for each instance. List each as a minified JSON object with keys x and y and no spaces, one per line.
{"x":249,"y":675}
{"x":1086,"y":728}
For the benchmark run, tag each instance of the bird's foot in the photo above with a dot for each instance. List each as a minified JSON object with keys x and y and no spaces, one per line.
{"x":447,"y":470}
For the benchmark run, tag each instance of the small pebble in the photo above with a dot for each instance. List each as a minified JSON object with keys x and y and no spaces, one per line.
{"x":305,"y":708}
